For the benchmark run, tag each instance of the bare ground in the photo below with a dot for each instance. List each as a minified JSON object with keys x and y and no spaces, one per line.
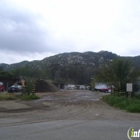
{"x":66,"y":105}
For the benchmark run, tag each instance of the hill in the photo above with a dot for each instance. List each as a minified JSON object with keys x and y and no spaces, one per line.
{"x":72,"y":67}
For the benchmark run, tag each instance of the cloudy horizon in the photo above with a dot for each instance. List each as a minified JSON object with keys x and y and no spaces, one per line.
{"x":35,"y":29}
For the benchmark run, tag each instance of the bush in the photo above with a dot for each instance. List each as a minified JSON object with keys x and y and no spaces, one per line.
{"x":135,"y":108}
{"x":29,"y":97}
{"x":122,"y":105}
{"x":137,"y":96}
{"x":112,"y":100}
{"x":6,"y":96}
{"x":131,"y":105}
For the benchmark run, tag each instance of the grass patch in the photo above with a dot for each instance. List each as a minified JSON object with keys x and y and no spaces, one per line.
{"x":130,"y":105}
{"x":29,"y":97}
{"x":7,"y":96}
{"x":12,"y":96}
{"x":135,"y":108}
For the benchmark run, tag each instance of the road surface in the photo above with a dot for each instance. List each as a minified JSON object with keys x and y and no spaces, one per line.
{"x":71,"y":115}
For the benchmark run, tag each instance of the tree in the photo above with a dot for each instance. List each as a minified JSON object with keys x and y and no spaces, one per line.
{"x":29,"y":84}
{"x":118,"y":73}
{"x":27,"y":71}
{"x":5,"y":74}
{"x":1,"y":69}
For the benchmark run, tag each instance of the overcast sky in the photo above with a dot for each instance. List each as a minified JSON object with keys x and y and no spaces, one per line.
{"x":35,"y":29}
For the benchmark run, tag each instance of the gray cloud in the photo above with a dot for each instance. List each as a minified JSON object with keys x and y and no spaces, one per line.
{"x":20,"y":31}
{"x":37,"y":29}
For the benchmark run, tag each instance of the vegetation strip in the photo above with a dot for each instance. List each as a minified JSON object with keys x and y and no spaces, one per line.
{"x":6,"y":96}
{"x":128,"y":104}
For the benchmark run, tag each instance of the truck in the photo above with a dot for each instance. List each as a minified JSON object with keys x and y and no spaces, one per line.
{"x":102,"y":87}
{"x":2,"y":88}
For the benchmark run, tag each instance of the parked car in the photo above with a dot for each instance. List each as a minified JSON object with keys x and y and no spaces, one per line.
{"x":82,"y":87}
{"x":102,"y":87}
{"x":15,"y":88}
{"x":105,"y":90}
{"x":87,"y":87}
{"x":69,"y":87}
{"x":2,"y":88}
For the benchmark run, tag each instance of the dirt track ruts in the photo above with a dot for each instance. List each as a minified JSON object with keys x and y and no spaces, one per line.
{"x":66,"y":105}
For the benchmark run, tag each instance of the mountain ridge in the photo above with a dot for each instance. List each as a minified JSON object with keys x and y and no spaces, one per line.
{"x":72,"y":58}
{"x":74,"y":67}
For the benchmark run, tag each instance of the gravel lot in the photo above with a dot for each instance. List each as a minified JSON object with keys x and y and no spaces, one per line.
{"x":65,"y":105}
{"x":67,"y":115}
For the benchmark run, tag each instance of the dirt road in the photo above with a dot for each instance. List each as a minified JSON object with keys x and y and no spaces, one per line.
{"x":66,"y":105}
{"x":71,"y":115}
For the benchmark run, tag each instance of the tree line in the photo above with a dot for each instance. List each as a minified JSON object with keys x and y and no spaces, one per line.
{"x":76,"y":74}
{"x":118,"y":73}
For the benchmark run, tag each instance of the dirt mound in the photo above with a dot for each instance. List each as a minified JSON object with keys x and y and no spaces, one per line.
{"x":44,"y":86}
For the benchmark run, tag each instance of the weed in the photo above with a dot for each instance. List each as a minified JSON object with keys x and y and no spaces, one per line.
{"x":131,"y":105}
{"x":6,"y":96}
{"x":29,"y":97}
